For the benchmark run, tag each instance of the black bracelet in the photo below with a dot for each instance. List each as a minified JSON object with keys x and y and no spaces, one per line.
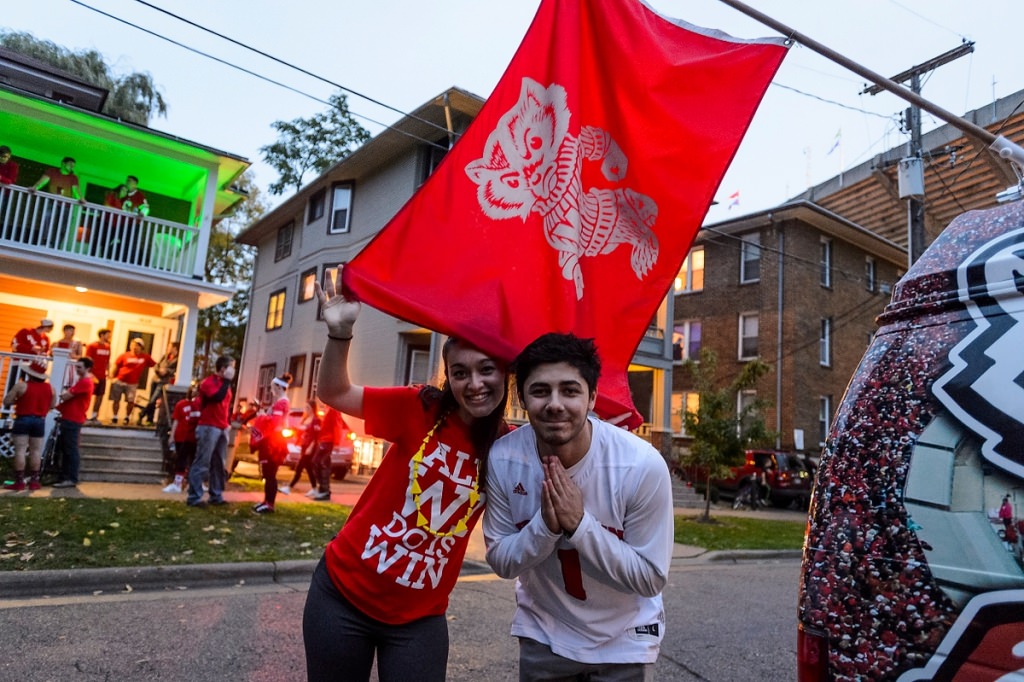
{"x":339,"y":338}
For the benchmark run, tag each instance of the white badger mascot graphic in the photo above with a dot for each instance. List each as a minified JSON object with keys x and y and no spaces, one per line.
{"x":531,"y":164}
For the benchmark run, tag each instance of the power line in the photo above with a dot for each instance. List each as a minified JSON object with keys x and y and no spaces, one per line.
{"x":830,"y":101}
{"x":252,"y":73}
{"x":289,"y":64}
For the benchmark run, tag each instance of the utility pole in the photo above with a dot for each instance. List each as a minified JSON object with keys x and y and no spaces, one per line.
{"x":913,"y":189}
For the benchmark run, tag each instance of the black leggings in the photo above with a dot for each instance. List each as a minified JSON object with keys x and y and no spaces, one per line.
{"x":305,"y":463}
{"x":341,"y":640}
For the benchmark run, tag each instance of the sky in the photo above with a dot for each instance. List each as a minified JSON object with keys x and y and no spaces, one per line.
{"x":405,"y":52}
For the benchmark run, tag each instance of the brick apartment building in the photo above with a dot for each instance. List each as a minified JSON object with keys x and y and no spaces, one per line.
{"x":798,"y":287}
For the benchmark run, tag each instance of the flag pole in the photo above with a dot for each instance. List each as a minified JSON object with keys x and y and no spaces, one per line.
{"x":1003,"y":147}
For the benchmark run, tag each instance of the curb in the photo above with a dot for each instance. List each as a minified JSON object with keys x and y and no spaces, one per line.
{"x":735,"y":555}
{"x":86,"y":581}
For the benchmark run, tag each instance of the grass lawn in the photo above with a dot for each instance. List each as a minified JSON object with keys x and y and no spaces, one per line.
{"x":739,"y":532}
{"x":63,"y":533}
{"x":91,"y":533}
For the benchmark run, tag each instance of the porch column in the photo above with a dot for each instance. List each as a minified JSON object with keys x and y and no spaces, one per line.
{"x":205,"y":225}
{"x":187,"y":354}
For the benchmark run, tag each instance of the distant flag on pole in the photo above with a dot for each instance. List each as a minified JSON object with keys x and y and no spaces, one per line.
{"x":571,"y":201}
{"x":734,"y":199}
{"x":836,"y":143}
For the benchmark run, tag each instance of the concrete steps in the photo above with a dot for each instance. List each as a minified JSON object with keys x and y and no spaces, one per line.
{"x":683,"y":495}
{"x":121,"y":455}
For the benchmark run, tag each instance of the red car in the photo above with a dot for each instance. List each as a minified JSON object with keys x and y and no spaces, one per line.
{"x":787,"y":479}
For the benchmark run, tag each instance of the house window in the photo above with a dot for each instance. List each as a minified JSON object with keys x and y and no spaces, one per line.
{"x":691,"y":275}
{"x":682,"y":402}
{"x":283,"y":248}
{"x":825,"y":342}
{"x":275,"y":310}
{"x":748,"y":336}
{"x":341,"y":209}
{"x":297,"y":368}
{"x":824,"y":418}
{"x":265,"y":375}
{"x":433,"y":154}
{"x":314,"y":375}
{"x":418,"y":366}
{"x":317,"y":204}
{"x":744,"y":409}
{"x":686,"y":340}
{"x":869,"y":273}
{"x":750,"y":258}
{"x":307,"y":280}
{"x":826,"y":262}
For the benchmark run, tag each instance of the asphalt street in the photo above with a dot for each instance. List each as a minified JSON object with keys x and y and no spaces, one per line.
{"x":731,"y":616}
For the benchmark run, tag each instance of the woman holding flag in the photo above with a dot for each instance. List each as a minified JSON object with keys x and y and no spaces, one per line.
{"x":382,"y":586}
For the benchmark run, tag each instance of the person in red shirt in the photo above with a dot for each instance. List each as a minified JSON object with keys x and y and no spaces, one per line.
{"x":74,"y":403}
{"x":31,"y":399}
{"x":134,"y":201}
{"x":29,"y":341}
{"x":329,"y":436}
{"x":183,"y":432}
{"x":127,"y":372}
{"x":68,"y":341}
{"x":62,"y":181}
{"x":8,"y":168}
{"x":382,"y":587}
{"x":99,"y":353}
{"x":212,"y":434}
{"x":274,"y":447}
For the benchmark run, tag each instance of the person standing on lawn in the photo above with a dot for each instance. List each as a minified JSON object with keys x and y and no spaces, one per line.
{"x":73,"y":406}
{"x":274,"y":447}
{"x":212,"y":434}
{"x":310,"y":431}
{"x":381,"y":589}
{"x":31,"y":399}
{"x":183,"y":433}
{"x":329,"y":437}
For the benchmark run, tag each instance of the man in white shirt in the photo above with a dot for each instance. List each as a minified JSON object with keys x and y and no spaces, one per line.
{"x":580,"y":513}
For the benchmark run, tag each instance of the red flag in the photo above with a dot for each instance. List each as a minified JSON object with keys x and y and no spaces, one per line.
{"x":571,"y":201}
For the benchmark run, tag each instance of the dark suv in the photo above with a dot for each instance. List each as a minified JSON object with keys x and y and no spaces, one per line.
{"x":786,"y":475}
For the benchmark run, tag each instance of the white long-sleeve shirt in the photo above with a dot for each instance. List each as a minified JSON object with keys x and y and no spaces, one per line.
{"x":594,"y":597}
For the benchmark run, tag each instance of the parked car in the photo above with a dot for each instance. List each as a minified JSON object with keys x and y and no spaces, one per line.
{"x":786,"y":476}
{"x":913,"y":565}
{"x":341,"y":456}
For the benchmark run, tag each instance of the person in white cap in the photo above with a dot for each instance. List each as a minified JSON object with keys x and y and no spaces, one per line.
{"x":31,"y":399}
{"x":29,"y":341}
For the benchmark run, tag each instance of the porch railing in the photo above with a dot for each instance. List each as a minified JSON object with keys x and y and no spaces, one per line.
{"x":48,"y":223}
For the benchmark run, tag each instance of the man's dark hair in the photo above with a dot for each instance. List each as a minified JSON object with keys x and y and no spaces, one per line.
{"x":222,"y":362}
{"x":66,"y":159}
{"x":4,"y":149}
{"x":69,"y":326}
{"x":132,"y":177}
{"x":86,"y":362}
{"x":552,"y":348}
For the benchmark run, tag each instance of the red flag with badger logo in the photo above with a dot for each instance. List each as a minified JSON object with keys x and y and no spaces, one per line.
{"x":571,"y":201}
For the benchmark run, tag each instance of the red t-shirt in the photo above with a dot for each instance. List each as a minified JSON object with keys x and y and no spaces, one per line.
{"x":130,"y":366}
{"x":133,"y":201}
{"x":74,"y":409}
{"x":30,"y":341}
{"x":8,"y":173}
{"x":99,"y":353}
{"x":214,"y":414}
{"x":330,"y":427}
{"x":36,"y":401}
{"x":185,"y":421}
{"x":60,"y":183}
{"x":380,"y":561}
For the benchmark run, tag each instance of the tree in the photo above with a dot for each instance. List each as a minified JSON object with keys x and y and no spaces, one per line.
{"x":312,"y":144}
{"x":720,"y":434}
{"x":222,"y":327}
{"x":133,"y":97}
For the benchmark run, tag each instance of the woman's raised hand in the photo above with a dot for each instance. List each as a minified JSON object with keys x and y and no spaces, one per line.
{"x":339,"y":313}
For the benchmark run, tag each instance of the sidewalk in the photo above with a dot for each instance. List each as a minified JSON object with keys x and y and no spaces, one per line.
{"x":120,"y":580}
